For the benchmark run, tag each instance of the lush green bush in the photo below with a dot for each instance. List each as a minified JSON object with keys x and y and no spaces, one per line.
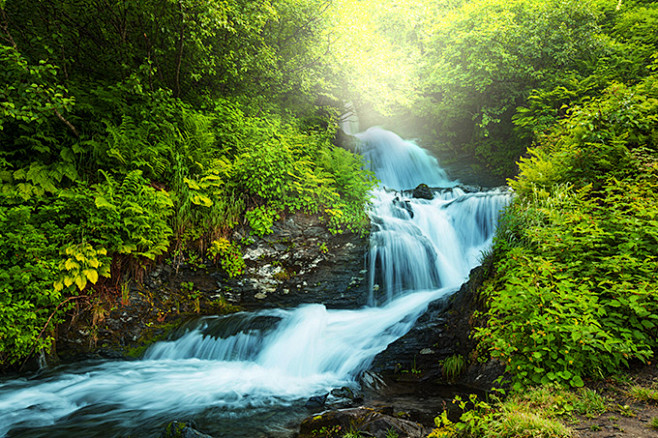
{"x":575,"y":290}
{"x":118,"y":149}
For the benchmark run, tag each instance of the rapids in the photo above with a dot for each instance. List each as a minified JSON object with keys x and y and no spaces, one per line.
{"x":250,"y":374}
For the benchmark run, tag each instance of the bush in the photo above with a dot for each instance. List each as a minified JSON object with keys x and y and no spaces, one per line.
{"x":574,"y":293}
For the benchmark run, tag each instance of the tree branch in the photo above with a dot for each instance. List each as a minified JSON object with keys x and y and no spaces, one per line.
{"x":66,"y":122}
{"x":46,"y":326}
{"x":5,"y":28}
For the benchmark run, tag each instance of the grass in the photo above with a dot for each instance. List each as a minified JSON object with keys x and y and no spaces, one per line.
{"x":558,"y":402}
{"x":529,"y":425}
{"x":590,"y":403}
{"x":643,"y":393}
{"x":542,"y":412}
{"x":453,"y":366}
{"x":654,"y":423}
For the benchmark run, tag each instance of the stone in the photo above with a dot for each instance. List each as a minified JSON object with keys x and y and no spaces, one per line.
{"x":179,"y":429}
{"x":367,"y":421}
{"x":316,"y":402}
{"x":423,"y":192}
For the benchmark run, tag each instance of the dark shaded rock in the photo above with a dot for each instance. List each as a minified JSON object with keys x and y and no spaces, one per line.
{"x":316,"y":402}
{"x":345,"y":392}
{"x":179,"y":429}
{"x":372,"y":381}
{"x":404,"y":204}
{"x":346,"y":141}
{"x":423,"y":192}
{"x":301,"y":262}
{"x":364,"y":420}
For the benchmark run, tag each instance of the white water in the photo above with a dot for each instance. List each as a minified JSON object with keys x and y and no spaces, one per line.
{"x":235,"y":374}
{"x":421,"y":244}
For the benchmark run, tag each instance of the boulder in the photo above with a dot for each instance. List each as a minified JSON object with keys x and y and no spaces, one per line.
{"x":180,"y":429}
{"x":367,"y":421}
{"x":423,"y":192}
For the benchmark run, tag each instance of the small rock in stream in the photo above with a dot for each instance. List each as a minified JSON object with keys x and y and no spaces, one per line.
{"x":180,"y":429}
{"x":316,"y":402}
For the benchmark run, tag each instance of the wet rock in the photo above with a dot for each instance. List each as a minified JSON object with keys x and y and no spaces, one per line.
{"x":345,"y":392}
{"x":363,"y":420}
{"x":442,"y":331}
{"x":179,"y":429}
{"x":316,"y":402}
{"x":423,"y":192}
{"x":370,"y":380}
{"x":301,"y":262}
{"x":405,"y":205}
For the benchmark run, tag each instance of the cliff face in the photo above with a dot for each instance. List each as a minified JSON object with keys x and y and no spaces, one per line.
{"x":300,"y":262}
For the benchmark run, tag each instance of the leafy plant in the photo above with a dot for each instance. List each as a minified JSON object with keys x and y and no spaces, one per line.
{"x":515,"y":417}
{"x":132,"y":216}
{"x":572,"y":296}
{"x":229,"y":255}
{"x":261,"y":219}
{"x":453,"y":366}
{"x":83,"y":264}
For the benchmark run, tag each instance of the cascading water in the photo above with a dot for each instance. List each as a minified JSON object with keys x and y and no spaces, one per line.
{"x":419,"y":244}
{"x":250,"y":374}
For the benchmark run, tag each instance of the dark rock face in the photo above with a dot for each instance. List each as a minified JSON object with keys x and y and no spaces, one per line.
{"x":423,"y":192}
{"x":365,"y":420}
{"x":301,"y":262}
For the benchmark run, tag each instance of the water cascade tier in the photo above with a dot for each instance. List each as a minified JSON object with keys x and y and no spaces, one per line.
{"x":250,"y":374}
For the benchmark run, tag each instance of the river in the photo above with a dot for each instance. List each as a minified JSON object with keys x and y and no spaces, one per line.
{"x":250,"y":374}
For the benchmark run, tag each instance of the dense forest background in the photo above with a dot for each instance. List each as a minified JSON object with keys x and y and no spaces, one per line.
{"x":137,"y":131}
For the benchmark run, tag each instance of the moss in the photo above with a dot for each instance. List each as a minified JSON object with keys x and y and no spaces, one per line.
{"x":150,"y":336}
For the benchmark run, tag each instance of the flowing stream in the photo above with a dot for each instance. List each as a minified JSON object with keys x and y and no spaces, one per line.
{"x":250,"y":374}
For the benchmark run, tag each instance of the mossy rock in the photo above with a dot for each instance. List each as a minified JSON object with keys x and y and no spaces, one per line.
{"x":181,"y":429}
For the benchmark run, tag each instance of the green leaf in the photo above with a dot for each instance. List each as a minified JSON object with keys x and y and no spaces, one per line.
{"x":101,"y":202}
{"x":577,"y":382}
{"x":202,"y":200}
{"x":91,"y":274}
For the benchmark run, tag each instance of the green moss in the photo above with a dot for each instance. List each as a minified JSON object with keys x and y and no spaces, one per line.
{"x":150,"y":336}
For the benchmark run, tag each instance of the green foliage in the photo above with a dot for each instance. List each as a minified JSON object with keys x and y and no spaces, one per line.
{"x":28,"y":93}
{"x":82,"y":264}
{"x":574,"y":293}
{"x":132,"y":216}
{"x":28,"y":268}
{"x":229,"y":255}
{"x":453,"y":366}
{"x":485,"y":58}
{"x":515,"y":417}
{"x":260,"y":220}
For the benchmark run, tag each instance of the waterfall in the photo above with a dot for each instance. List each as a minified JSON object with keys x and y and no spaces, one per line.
{"x":418,"y":243}
{"x":247,"y":374}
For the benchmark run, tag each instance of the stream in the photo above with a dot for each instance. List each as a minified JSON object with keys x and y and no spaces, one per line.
{"x":251,"y":374}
